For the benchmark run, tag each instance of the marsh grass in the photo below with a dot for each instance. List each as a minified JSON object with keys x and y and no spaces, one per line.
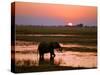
{"x":82,"y":36}
{"x":55,"y":30}
{"x":74,"y":39}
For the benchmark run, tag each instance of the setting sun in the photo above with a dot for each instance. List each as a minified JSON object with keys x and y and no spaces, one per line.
{"x":57,"y":14}
{"x":70,"y":24}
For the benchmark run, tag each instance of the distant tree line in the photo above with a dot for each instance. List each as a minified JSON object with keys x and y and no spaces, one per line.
{"x":77,"y":25}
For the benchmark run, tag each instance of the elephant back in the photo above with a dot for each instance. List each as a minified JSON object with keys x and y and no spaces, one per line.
{"x":43,"y":45}
{"x":55,"y":45}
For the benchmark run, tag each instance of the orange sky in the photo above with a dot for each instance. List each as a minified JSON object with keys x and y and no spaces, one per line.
{"x":67,"y":12}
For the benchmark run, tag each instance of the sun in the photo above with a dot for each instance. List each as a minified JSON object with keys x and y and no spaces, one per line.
{"x":70,"y":24}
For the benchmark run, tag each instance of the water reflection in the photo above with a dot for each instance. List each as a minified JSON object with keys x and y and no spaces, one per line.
{"x":67,"y":58}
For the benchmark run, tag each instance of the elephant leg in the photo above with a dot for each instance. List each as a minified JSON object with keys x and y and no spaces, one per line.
{"x":42,"y":56}
{"x":52,"y":55}
{"x":41,"y":60}
{"x":52,"y":60}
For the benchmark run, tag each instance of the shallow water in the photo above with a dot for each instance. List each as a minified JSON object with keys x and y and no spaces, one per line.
{"x":66,"y":58}
{"x":74,"y":59}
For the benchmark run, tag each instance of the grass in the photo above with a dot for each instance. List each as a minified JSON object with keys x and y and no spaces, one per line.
{"x":55,"y":30}
{"x":82,"y":35}
{"x":73,"y":40}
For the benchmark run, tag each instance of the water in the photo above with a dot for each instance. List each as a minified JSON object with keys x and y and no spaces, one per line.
{"x":74,"y":59}
{"x":28,"y":55}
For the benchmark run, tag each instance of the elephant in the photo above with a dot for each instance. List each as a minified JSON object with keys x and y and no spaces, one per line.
{"x":48,"y":47}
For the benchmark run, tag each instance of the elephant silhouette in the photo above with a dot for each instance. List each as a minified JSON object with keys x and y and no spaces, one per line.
{"x":48,"y":47}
